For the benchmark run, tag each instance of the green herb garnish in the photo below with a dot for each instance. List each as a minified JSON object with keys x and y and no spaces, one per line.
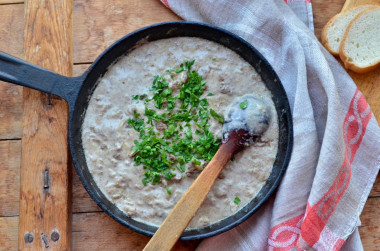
{"x":169,"y":190}
{"x":217,"y":116}
{"x":244,"y":104}
{"x":167,"y":140}
{"x":237,"y":200}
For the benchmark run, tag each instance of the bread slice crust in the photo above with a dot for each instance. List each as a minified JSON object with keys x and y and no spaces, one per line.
{"x":345,"y":57}
{"x":326,"y":40}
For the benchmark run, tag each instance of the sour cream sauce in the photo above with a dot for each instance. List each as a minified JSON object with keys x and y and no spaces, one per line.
{"x":108,"y":141}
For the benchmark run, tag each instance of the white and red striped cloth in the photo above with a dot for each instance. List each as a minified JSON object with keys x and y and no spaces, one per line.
{"x":336,"y":153}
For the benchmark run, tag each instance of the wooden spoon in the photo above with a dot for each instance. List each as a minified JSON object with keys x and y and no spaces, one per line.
{"x":241,"y":127}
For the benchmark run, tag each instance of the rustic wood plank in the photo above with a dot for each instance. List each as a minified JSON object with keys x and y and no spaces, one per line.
{"x":97,"y":231}
{"x":322,"y":12}
{"x":82,"y":201}
{"x":8,"y":233}
{"x":375,"y":192}
{"x":10,"y":111}
{"x":6,"y":2}
{"x":97,"y":24}
{"x":12,"y":29}
{"x":10,"y":152}
{"x":79,"y":69}
{"x":48,"y":43}
{"x":370,"y":229}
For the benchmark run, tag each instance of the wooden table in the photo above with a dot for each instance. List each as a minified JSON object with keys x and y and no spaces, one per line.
{"x":97,"y":24}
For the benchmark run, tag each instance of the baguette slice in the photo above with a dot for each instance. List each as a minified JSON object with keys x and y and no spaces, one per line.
{"x":333,"y":31}
{"x":360,"y":48}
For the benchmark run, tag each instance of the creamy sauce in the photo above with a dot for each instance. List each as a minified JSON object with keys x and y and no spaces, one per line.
{"x":108,"y":141}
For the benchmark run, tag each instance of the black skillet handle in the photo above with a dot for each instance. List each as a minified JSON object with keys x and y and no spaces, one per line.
{"x":17,"y":71}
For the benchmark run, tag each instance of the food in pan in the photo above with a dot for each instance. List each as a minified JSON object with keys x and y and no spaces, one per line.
{"x":155,"y":120}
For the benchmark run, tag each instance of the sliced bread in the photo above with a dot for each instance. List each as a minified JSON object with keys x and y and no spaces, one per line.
{"x":360,"y":47}
{"x":333,"y":31}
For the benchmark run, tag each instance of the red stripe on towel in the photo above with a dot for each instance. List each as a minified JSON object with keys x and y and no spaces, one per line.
{"x":354,"y":128}
{"x":165,"y":2}
{"x":285,"y":235}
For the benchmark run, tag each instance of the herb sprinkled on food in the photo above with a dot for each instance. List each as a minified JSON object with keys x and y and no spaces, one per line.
{"x":244,"y":104}
{"x":237,"y":200}
{"x":167,"y":138}
{"x":169,"y":190}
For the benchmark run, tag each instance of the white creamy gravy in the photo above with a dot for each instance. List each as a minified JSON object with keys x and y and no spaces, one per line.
{"x":108,"y":141}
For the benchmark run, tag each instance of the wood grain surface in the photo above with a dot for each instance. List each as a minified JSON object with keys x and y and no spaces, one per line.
{"x":86,"y":235}
{"x":370,"y":229}
{"x":97,"y":24}
{"x":45,"y":205}
{"x":8,"y":233}
{"x":10,"y":152}
{"x":7,"y":2}
{"x":11,"y":41}
{"x":92,"y":32}
{"x":10,"y":111}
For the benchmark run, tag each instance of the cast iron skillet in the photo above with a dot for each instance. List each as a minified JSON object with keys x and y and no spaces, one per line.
{"x":77,"y":92}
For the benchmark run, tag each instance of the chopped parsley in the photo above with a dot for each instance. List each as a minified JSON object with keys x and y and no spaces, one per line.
{"x":237,"y":200}
{"x":167,"y":139}
{"x":244,"y":104}
{"x":217,"y":116}
{"x":169,"y":190}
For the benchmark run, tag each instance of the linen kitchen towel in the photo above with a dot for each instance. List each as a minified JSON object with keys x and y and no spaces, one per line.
{"x":336,"y":152}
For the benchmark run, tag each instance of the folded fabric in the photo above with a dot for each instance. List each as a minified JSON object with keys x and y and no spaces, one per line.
{"x":336,"y":151}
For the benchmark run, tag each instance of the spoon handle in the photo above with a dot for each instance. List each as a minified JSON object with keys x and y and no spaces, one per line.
{"x":178,"y":219}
